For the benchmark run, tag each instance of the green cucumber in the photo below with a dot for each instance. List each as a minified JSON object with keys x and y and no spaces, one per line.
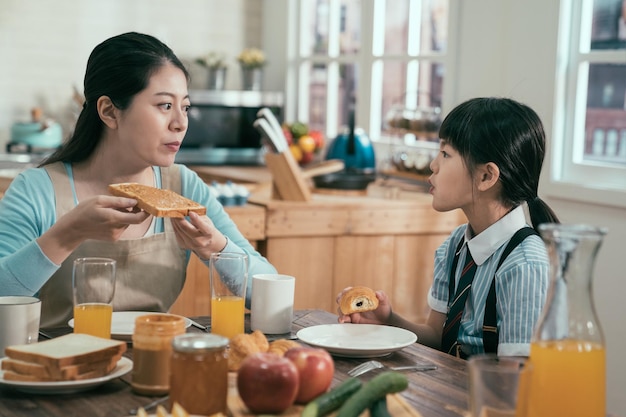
{"x":331,"y":400}
{"x":379,"y":408}
{"x":378,"y":387}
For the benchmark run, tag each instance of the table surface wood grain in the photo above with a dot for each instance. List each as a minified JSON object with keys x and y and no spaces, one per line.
{"x":439,"y":393}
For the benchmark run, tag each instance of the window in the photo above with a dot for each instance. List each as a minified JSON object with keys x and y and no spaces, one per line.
{"x":364,"y":57}
{"x":590,"y":122}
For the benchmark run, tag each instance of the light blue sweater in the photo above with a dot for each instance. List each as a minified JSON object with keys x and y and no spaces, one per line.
{"x":27,"y":210}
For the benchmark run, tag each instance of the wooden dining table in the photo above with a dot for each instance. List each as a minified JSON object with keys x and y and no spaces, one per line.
{"x":437,"y":393}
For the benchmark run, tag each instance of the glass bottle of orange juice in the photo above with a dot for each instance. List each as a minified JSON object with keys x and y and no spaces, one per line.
{"x":567,"y":350}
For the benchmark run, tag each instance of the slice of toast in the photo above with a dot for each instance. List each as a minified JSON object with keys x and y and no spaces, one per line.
{"x":70,"y":349}
{"x":40,"y":372}
{"x":102,"y":369}
{"x":156,"y":201}
{"x":10,"y":375}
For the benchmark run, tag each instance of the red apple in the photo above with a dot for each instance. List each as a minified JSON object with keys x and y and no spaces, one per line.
{"x":315,"y":369}
{"x":306,"y":157}
{"x":267,"y":383}
{"x":288,"y":135}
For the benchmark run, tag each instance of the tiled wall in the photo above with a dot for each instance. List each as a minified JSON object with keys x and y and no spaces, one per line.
{"x":44,"y":45}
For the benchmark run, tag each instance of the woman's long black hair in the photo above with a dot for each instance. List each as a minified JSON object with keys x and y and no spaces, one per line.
{"x":119,"y":68}
{"x":510,"y":135}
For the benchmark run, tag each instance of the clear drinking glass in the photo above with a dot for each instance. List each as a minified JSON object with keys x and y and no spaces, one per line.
{"x":228,"y":273}
{"x":498,"y":385}
{"x":93,"y":285}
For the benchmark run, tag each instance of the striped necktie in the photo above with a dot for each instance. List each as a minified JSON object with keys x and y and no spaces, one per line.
{"x":449,"y":343}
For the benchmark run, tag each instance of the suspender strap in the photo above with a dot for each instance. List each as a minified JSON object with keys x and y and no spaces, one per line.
{"x":490,"y":322}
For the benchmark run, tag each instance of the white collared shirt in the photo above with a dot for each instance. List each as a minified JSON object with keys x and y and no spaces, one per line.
{"x":521,"y":283}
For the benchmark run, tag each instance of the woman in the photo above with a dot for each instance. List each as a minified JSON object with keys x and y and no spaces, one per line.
{"x":490,"y":159}
{"x":131,"y":126}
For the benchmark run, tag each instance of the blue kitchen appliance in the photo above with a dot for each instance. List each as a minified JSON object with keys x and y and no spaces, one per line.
{"x":355,"y":149}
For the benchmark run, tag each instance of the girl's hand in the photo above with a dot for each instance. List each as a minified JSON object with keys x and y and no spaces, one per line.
{"x":379,"y":316}
{"x":199,"y":234}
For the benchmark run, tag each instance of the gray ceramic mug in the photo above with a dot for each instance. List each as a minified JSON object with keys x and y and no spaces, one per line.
{"x":19,"y":321}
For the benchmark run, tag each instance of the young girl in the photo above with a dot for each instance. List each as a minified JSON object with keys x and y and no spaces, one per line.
{"x":130,"y":128}
{"x":490,"y":159}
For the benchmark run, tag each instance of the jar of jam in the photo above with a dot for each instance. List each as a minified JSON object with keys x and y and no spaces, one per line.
{"x":152,"y":351}
{"x":199,"y":379}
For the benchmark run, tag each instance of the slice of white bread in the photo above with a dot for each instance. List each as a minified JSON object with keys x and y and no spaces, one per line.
{"x":156,"y":201}
{"x":96,"y":372}
{"x":70,"y":349}
{"x":37,"y":372}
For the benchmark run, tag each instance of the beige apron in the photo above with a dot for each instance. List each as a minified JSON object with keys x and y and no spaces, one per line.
{"x":150,"y":270}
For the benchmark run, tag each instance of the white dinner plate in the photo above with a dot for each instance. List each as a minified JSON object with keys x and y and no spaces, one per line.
{"x":124,"y":366}
{"x":357,"y":340}
{"x":123,"y":323}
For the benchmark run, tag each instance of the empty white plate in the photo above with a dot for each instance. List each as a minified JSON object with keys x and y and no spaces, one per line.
{"x":357,"y":340}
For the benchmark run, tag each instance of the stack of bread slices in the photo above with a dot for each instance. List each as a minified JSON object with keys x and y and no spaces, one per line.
{"x":66,"y":358}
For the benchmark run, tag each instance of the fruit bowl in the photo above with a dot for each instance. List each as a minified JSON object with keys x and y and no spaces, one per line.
{"x":304,"y":143}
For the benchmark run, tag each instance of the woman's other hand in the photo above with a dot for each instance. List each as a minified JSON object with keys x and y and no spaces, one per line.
{"x":379,"y":316}
{"x":198,"y":234}
{"x":105,"y":217}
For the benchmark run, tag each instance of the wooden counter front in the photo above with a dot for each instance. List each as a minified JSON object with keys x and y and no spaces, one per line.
{"x":333,"y":242}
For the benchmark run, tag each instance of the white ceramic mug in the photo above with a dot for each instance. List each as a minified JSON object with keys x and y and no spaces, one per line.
{"x":19,"y":320}
{"x":271,"y":309}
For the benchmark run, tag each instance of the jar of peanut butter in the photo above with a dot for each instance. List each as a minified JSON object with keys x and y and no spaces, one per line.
{"x":199,"y":379}
{"x":152,"y":351}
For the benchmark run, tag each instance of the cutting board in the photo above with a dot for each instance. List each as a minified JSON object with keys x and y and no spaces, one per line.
{"x":398,"y":407}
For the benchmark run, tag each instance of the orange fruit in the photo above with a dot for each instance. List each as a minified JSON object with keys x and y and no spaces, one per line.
{"x":319,"y":138}
{"x":296,"y":151}
{"x":307,"y":143}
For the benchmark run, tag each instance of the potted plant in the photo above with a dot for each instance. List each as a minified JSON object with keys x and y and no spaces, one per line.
{"x":216,"y":63}
{"x":251,"y":61}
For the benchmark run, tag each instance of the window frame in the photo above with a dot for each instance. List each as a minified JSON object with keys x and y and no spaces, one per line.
{"x":568,"y":178}
{"x":368,"y":107}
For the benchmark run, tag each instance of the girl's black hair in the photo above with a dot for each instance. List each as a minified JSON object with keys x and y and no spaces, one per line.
{"x":509,"y":134}
{"x":119,"y":68}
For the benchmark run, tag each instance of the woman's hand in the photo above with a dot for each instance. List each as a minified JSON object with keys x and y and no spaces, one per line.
{"x":379,"y":316}
{"x":99,"y":218}
{"x":199,"y":234}
{"x":104,"y":217}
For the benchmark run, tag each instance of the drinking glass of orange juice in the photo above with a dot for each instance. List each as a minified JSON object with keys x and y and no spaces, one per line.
{"x":228,"y":272}
{"x":93,"y":285}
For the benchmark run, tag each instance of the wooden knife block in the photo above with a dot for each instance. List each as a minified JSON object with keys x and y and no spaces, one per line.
{"x":288,"y":183}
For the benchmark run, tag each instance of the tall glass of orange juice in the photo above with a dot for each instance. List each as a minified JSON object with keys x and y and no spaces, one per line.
{"x":93,"y":286}
{"x":228,"y":273}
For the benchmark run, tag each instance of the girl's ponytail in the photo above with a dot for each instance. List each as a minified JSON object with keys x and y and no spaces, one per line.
{"x":540,"y":212}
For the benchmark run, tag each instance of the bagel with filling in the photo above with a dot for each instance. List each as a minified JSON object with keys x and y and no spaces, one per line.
{"x":358,"y":300}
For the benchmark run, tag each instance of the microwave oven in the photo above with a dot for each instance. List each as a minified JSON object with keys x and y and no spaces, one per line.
{"x":220,"y":129}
